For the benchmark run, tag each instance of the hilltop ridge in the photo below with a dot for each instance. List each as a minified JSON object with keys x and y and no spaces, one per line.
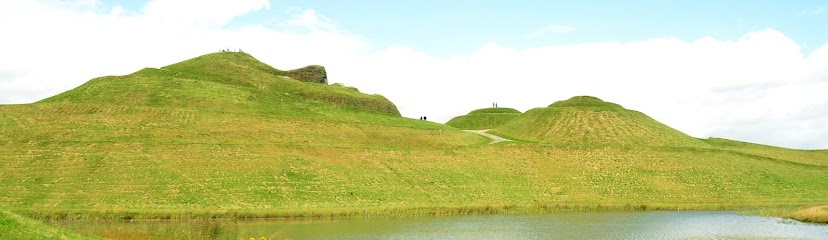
{"x":586,"y":102}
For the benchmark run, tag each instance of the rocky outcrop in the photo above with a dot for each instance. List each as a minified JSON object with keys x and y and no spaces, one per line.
{"x":312,"y":73}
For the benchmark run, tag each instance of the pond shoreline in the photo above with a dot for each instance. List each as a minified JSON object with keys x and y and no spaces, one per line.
{"x":53,"y":215}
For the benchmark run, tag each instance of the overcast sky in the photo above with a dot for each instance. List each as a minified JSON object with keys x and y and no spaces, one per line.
{"x":755,"y":71}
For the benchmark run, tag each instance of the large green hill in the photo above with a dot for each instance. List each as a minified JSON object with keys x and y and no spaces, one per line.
{"x":486,"y":118}
{"x":226,"y":81}
{"x":224,"y":134}
{"x":589,"y":121}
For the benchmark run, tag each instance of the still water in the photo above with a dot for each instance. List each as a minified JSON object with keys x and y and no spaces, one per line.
{"x":589,"y":225}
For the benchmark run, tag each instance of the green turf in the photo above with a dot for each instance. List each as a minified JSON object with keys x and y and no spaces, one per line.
{"x":486,"y":118}
{"x":13,"y":226}
{"x":225,"y":135}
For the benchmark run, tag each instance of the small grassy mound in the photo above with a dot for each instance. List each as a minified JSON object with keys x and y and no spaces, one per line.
{"x":13,"y":226}
{"x":815,"y":215}
{"x":486,"y":118}
{"x":588,"y":121}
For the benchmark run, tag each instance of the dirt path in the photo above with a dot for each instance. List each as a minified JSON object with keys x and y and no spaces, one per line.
{"x":495,"y":139}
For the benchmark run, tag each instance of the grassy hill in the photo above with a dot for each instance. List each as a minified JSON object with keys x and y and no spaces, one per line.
{"x":226,"y":81}
{"x":589,"y":121}
{"x":486,"y":118}
{"x":225,"y":135}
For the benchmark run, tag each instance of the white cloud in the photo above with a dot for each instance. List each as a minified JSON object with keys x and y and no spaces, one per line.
{"x":206,"y":13}
{"x":309,"y":20}
{"x":56,"y":46}
{"x":758,"y":88}
{"x":551,"y":29}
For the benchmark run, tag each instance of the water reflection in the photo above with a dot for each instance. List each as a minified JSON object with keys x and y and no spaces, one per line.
{"x":584,"y":225}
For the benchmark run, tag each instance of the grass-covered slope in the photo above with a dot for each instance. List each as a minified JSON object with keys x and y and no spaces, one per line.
{"x":809,"y":157}
{"x":13,"y":226}
{"x":589,"y":122}
{"x":486,"y":118}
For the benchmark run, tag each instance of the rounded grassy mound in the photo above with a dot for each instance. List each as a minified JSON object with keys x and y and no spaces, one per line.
{"x":586,"y":121}
{"x":486,"y":118}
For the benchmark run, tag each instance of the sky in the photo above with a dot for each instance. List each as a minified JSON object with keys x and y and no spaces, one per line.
{"x":753,"y":71}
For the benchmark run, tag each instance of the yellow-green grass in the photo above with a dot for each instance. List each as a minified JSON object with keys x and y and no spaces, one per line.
{"x":13,"y":226}
{"x":293,"y":178}
{"x":209,"y":144}
{"x":486,"y":118}
{"x":817,"y":214}
{"x":585,"y":121}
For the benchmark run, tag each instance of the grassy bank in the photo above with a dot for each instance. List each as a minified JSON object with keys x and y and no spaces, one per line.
{"x":56,"y":215}
{"x":13,"y":226}
{"x":817,"y":214}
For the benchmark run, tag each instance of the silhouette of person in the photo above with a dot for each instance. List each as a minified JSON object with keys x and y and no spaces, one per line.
{"x":421,"y":117}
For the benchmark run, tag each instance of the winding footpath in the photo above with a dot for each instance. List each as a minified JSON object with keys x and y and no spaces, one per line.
{"x":495,"y":139}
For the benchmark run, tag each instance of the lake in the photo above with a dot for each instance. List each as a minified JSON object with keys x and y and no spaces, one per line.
{"x":577,"y":225}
